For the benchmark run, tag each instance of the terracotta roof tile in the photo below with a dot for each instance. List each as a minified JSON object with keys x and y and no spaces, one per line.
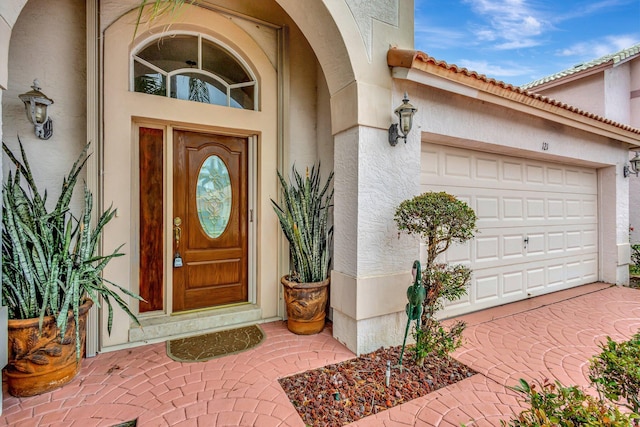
{"x":421,"y":61}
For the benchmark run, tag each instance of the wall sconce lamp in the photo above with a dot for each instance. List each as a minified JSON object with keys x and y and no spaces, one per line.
{"x":35,"y":104}
{"x":634,"y":166}
{"x":405,"y":114}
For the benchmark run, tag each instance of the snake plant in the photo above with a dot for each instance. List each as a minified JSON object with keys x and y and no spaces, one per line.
{"x":304,"y":219}
{"x":50,"y":262}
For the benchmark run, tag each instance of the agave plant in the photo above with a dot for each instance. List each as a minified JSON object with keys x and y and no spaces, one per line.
{"x":304,"y":219}
{"x":50,"y":263}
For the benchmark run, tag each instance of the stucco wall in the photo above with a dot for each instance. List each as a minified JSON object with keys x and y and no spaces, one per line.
{"x":24,"y":55}
{"x":5,"y":35}
{"x":613,"y":93}
{"x":634,"y":184}
{"x":8,"y":14}
{"x":479,"y":124}
{"x":300,"y":138}
{"x":368,"y":291}
{"x":58,"y":62}
{"x":323,"y":125}
{"x":634,"y":206}
{"x":617,"y":87}
{"x":635,"y":92}
{"x":586,"y":93}
{"x":9,"y":11}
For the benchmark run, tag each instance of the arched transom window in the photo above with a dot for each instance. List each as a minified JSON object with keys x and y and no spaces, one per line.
{"x":194,"y":68}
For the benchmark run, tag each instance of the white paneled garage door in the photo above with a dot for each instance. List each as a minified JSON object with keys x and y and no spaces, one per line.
{"x":537,"y":222}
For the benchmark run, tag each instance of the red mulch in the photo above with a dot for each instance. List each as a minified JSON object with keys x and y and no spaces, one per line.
{"x":342,"y":393}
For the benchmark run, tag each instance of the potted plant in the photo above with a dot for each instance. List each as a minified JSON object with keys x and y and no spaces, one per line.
{"x":304,"y":219}
{"x":51,"y":276}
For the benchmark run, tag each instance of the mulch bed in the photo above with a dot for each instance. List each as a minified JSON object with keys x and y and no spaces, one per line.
{"x":345,"y":392}
{"x":634,"y":282}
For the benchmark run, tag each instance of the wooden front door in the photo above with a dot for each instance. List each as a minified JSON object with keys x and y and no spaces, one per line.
{"x":210,"y":220}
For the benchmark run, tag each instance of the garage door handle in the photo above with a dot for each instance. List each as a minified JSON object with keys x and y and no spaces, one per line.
{"x":526,"y":242}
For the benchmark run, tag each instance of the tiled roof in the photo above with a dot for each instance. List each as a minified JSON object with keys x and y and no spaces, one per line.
{"x":423,"y":62}
{"x":612,"y":58}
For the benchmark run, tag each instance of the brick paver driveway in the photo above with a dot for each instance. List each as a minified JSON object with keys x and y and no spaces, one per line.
{"x":550,"y":336}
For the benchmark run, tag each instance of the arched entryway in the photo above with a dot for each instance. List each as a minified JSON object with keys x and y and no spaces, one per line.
{"x":314,"y":74}
{"x":179,"y":121}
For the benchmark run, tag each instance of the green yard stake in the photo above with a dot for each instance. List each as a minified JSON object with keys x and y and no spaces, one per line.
{"x":416,"y":295}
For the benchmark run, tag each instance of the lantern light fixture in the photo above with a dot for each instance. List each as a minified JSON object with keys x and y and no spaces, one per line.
{"x":36,"y":104}
{"x":633,"y":167}
{"x":401,"y":129}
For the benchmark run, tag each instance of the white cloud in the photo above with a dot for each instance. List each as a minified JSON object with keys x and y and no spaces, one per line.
{"x":512,"y":22}
{"x":517,"y":44}
{"x":427,"y":35}
{"x":486,"y":34}
{"x":532,"y":25}
{"x":494,"y":70}
{"x":600,"y":47}
{"x":591,"y":8}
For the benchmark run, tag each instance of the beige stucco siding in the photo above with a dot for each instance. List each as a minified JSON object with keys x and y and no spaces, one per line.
{"x":58,"y":62}
{"x":586,"y":94}
{"x":635,"y":93}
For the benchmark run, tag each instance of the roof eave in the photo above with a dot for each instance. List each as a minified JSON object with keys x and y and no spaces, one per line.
{"x":570,"y":77}
{"x":419,"y":67}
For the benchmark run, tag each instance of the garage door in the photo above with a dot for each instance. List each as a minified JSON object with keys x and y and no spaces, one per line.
{"x":537,"y":223}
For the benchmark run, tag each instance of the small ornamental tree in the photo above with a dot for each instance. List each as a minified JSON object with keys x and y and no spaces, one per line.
{"x":440,"y":220}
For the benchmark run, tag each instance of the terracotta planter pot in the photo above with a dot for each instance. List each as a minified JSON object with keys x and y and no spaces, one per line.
{"x":39,"y":363}
{"x":306,"y":305}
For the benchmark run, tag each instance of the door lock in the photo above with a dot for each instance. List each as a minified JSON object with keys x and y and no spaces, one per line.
{"x":177,"y":231}
{"x":177,"y":234}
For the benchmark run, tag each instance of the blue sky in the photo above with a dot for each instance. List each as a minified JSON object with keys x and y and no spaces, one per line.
{"x":518,"y":41}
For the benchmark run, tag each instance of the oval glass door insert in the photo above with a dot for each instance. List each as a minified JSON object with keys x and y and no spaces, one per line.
{"x":213,"y":196}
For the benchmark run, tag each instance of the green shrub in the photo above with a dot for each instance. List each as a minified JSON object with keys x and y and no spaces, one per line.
{"x":615,"y":372}
{"x":434,"y":338}
{"x":553,"y":405}
{"x":440,"y":220}
{"x":635,"y":255}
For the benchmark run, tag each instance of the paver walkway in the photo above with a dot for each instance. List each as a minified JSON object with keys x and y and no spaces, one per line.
{"x":550,"y":336}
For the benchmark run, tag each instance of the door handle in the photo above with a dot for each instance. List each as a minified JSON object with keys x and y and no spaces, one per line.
{"x":177,"y":231}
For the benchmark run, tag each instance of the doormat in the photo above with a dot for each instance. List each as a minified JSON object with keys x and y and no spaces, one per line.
{"x":217,"y":344}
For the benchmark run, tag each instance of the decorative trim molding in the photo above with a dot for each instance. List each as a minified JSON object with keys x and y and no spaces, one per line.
{"x":365,"y":12}
{"x":93,"y":136}
{"x":283,"y":147}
